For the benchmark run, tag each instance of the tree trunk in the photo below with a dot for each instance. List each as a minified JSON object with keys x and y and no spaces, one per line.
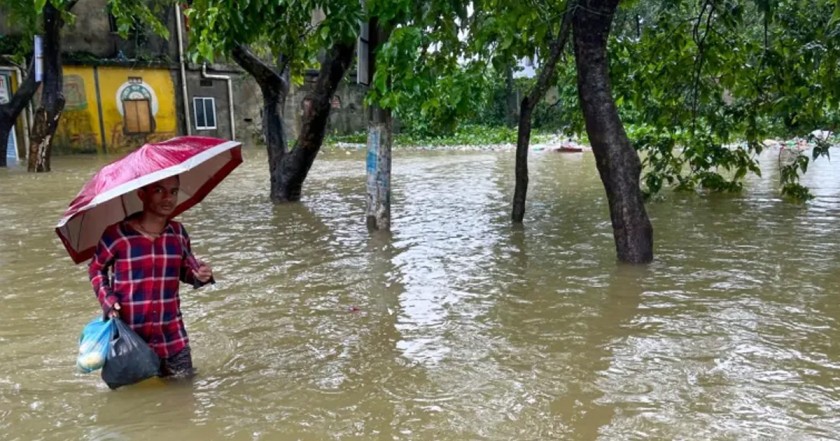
{"x":274,"y":86}
{"x":617,"y":161}
{"x":380,"y":136}
{"x":5,"y":130}
{"x":510,"y":97}
{"x":316,"y":112}
{"x":523,"y":137}
{"x":288,"y":169}
{"x":10,"y":111}
{"x":52,"y":96}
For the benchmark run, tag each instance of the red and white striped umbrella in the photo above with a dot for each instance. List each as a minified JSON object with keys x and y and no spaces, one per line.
{"x":110,"y":195}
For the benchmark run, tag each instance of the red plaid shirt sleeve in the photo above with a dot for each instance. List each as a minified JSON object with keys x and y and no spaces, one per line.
{"x":98,"y":271}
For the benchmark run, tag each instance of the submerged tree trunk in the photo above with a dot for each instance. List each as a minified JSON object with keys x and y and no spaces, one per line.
{"x":523,"y":136}
{"x":274,"y":85}
{"x":288,"y":169}
{"x":10,"y":111}
{"x":316,"y":112}
{"x":5,"y":131}
{"x":52,"y":95}
{"x":617,"y":161}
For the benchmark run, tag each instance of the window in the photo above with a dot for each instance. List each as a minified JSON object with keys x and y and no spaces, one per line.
{"x":205,"y":113}
{"x":138,"y":116}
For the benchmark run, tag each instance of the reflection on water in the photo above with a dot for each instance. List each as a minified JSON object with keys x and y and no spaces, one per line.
{"x":454,"y":326}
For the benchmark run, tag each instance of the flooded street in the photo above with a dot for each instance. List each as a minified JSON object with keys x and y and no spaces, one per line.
{"x":456,"y":326}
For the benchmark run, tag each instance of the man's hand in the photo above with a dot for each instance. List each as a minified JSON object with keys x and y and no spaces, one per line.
{"x":115,"y":311}
{"x":204,"y":272}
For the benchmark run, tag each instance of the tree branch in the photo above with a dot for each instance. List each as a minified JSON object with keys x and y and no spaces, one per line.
{"x":24,"y":93}
{"x":556,"y":50}
{"x":701,"y":53}
{"x":266,"y":76}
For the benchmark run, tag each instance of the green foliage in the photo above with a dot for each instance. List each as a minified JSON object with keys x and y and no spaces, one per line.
{"x":133,"y":16}
{"x":701,"y":76}
{"x":14,"y":46}
{"x":443,"y":64}
{"x":419,"y":74}
{"x":467,"y":134}
{"x":272,"y":27}
{"x":25,"y":17}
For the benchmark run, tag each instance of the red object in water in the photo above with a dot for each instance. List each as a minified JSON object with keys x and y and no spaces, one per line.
{"x":110,"y":195}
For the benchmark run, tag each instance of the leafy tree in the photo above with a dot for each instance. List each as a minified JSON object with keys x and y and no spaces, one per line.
{"x":415,"y":65}
{"x":55,"y":13}
{"x":541,"y":32}
{"x":698,"y":78}
{"x":48,"y":17}
{"x":289,"y":34}
{"x":618,"y":163}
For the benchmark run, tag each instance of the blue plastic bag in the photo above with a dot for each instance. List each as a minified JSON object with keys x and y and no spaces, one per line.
{"x":94,"y":344}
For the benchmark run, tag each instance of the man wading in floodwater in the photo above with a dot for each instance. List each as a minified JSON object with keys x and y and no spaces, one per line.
{"x":150,"y":255}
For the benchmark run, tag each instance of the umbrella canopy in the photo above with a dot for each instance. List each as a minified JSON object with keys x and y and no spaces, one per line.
{"x":110,"y":195}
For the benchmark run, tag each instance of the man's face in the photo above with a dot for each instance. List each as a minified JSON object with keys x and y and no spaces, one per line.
{"x":161,"y":197}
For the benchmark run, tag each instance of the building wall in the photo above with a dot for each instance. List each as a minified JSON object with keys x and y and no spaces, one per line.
{"x":98,"y":63}
{"x":347,"y":114}
{"x":78,"y":127}
{"x":91,"y":32}
{"x":91,"y":36}
{"x":248,"y":107}
{"x":116,"y":84}
{"x":198,"y":87}
{"x":94,"y":118}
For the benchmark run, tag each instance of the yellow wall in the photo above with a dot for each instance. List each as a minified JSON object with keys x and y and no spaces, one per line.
{"x":166,"y":122}
{"x":80,"y":129}
{"x":79,"y":124}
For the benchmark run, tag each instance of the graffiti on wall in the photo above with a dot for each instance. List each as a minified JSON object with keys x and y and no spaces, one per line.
{"x":76,"y":127}
{"x":74,"y":93}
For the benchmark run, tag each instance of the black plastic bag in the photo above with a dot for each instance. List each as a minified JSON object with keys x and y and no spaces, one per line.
{"x":130,"y":359}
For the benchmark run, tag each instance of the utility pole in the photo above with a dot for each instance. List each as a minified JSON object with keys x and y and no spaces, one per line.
{"x":380,"y":135}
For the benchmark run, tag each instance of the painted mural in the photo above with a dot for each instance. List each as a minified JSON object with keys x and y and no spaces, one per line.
{"x":116,"y":109}
{"x":77,"y":128}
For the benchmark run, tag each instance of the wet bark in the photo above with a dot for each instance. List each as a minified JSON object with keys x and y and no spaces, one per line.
{"x":52,"y":96}
{"x":316,"y":112}
{"x":618,"y":163}
{"x":10,"y":111}
{"x":526,"y":109}
{"x":274,"y":85}
{"x":5,"y":131}
{"x":510,"y":98}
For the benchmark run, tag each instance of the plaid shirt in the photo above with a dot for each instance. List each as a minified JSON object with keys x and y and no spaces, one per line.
{"x":146,"y":275}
